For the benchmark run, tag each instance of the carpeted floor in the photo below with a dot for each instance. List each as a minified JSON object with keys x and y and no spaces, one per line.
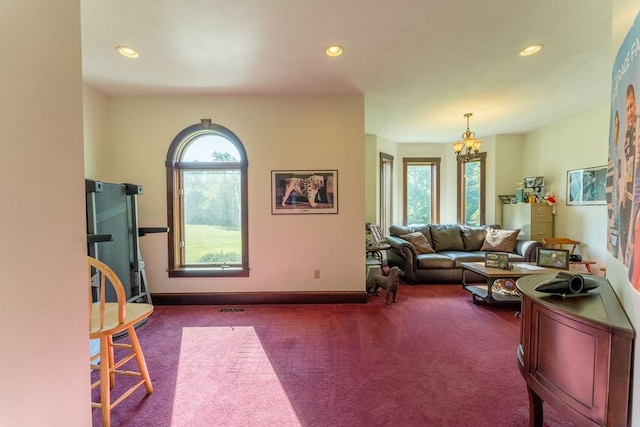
{"x":432,"y":359}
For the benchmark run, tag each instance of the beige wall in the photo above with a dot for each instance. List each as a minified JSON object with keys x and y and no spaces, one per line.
{"x":44,"y":364}
{"x":96,"y":132}
{"x":279,"y":133}
{"x":575,"y":142}
{"x":509,"y":158}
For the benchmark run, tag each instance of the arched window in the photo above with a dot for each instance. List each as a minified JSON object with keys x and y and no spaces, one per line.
{"x":207,"y":203}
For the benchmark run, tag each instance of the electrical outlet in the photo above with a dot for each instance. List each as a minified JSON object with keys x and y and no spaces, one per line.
{"x":316,"y":274}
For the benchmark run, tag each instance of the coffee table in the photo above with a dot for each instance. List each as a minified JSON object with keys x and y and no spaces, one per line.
{"x":482,"y":293}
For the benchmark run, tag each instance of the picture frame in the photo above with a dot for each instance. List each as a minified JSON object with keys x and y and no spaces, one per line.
{"x":496,"y":260}
{"x":291,"y":189}
{"x":587,"y":186}
{"x":507,"y":198}
{"x":533,"y":182}
{"x":553,"y":258}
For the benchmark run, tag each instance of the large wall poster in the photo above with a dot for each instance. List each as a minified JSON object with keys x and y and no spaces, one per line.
{"x":623,"y":168}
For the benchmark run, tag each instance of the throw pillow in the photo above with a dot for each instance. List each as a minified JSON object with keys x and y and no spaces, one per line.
{"x":473,"y":237}
{"x":420,"y":242}
{"x":500,"y":240}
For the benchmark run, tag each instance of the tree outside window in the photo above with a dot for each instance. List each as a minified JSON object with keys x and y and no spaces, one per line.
{"x":471,"y":191}
{"x":421,"y":190}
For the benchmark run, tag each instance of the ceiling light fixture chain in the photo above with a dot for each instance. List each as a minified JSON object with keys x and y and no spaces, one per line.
{"x":469,"y":147}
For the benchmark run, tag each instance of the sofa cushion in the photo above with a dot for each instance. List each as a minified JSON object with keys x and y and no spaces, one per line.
{"x":419,"y":241}
{"x":500,"y":240}
{"x":473,"y":237}
{"x":435,"y":261}
{"x":399,"y":230}
{"x":446,"y":237}
{"x":463,"y":256}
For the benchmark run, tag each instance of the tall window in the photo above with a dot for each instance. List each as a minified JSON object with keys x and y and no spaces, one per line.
{"x":207,"y":203}
{"x":386,"y":184}
{"x":471,"y":190}
{"x":421,"y":190}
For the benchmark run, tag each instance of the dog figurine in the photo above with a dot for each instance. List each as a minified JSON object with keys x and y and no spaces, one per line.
{"x":377,"y":281}
{"x":308,"y":187}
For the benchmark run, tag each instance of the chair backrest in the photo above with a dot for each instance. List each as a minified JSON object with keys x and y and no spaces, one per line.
{"x":376,"y":233}
{"x":101,"y":276}
{"x":560,"y":243}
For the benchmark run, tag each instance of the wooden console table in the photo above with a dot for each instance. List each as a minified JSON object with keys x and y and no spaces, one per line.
{"x":575,"y":354}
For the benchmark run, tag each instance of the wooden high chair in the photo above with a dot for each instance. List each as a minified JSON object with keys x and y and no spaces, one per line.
{"x":571,"y":245}
{"x":107,"y":319}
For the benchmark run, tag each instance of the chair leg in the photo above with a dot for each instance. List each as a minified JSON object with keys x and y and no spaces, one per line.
{"x":105,"y":380}
{"x":142,"y":364}
{"x":112,"y":361}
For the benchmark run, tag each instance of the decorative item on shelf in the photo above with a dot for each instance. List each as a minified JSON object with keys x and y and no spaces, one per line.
{"x":567,"y":284}
{"x":468,"y":148}
{"x":507,"y":198}
{"x":534,"y":182}
{"x":550,"y":198}
{"x":519,"y":192}
{"x":535,"y":185}
{"x":497,"y":260}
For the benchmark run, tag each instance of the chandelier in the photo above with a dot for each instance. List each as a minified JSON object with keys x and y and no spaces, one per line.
{"x":469,"y":146}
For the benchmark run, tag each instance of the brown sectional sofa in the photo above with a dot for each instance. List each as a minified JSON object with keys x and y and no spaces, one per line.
{"x":452,"y":244}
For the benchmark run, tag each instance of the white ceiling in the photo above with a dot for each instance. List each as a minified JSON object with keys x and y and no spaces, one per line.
{"x":421,"y":64}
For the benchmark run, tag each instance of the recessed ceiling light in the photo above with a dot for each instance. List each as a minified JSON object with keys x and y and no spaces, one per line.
{"x":127,"y":52}
{"x":334,"y":50}
{"x":531,"y":50}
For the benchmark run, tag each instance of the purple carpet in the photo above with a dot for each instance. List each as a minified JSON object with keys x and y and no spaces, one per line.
{"x":432,"y":359}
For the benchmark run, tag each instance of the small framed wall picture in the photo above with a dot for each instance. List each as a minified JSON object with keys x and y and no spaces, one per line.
{"x":304,"y":192}
{"x":587,"y":186}
{"x":496,"y":260}
{"x":534,"y":182}
{"x":553,"y":258}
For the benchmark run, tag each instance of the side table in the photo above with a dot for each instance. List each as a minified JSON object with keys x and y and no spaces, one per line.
{"x":375,"y":251}
{"x":587,"y":264}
